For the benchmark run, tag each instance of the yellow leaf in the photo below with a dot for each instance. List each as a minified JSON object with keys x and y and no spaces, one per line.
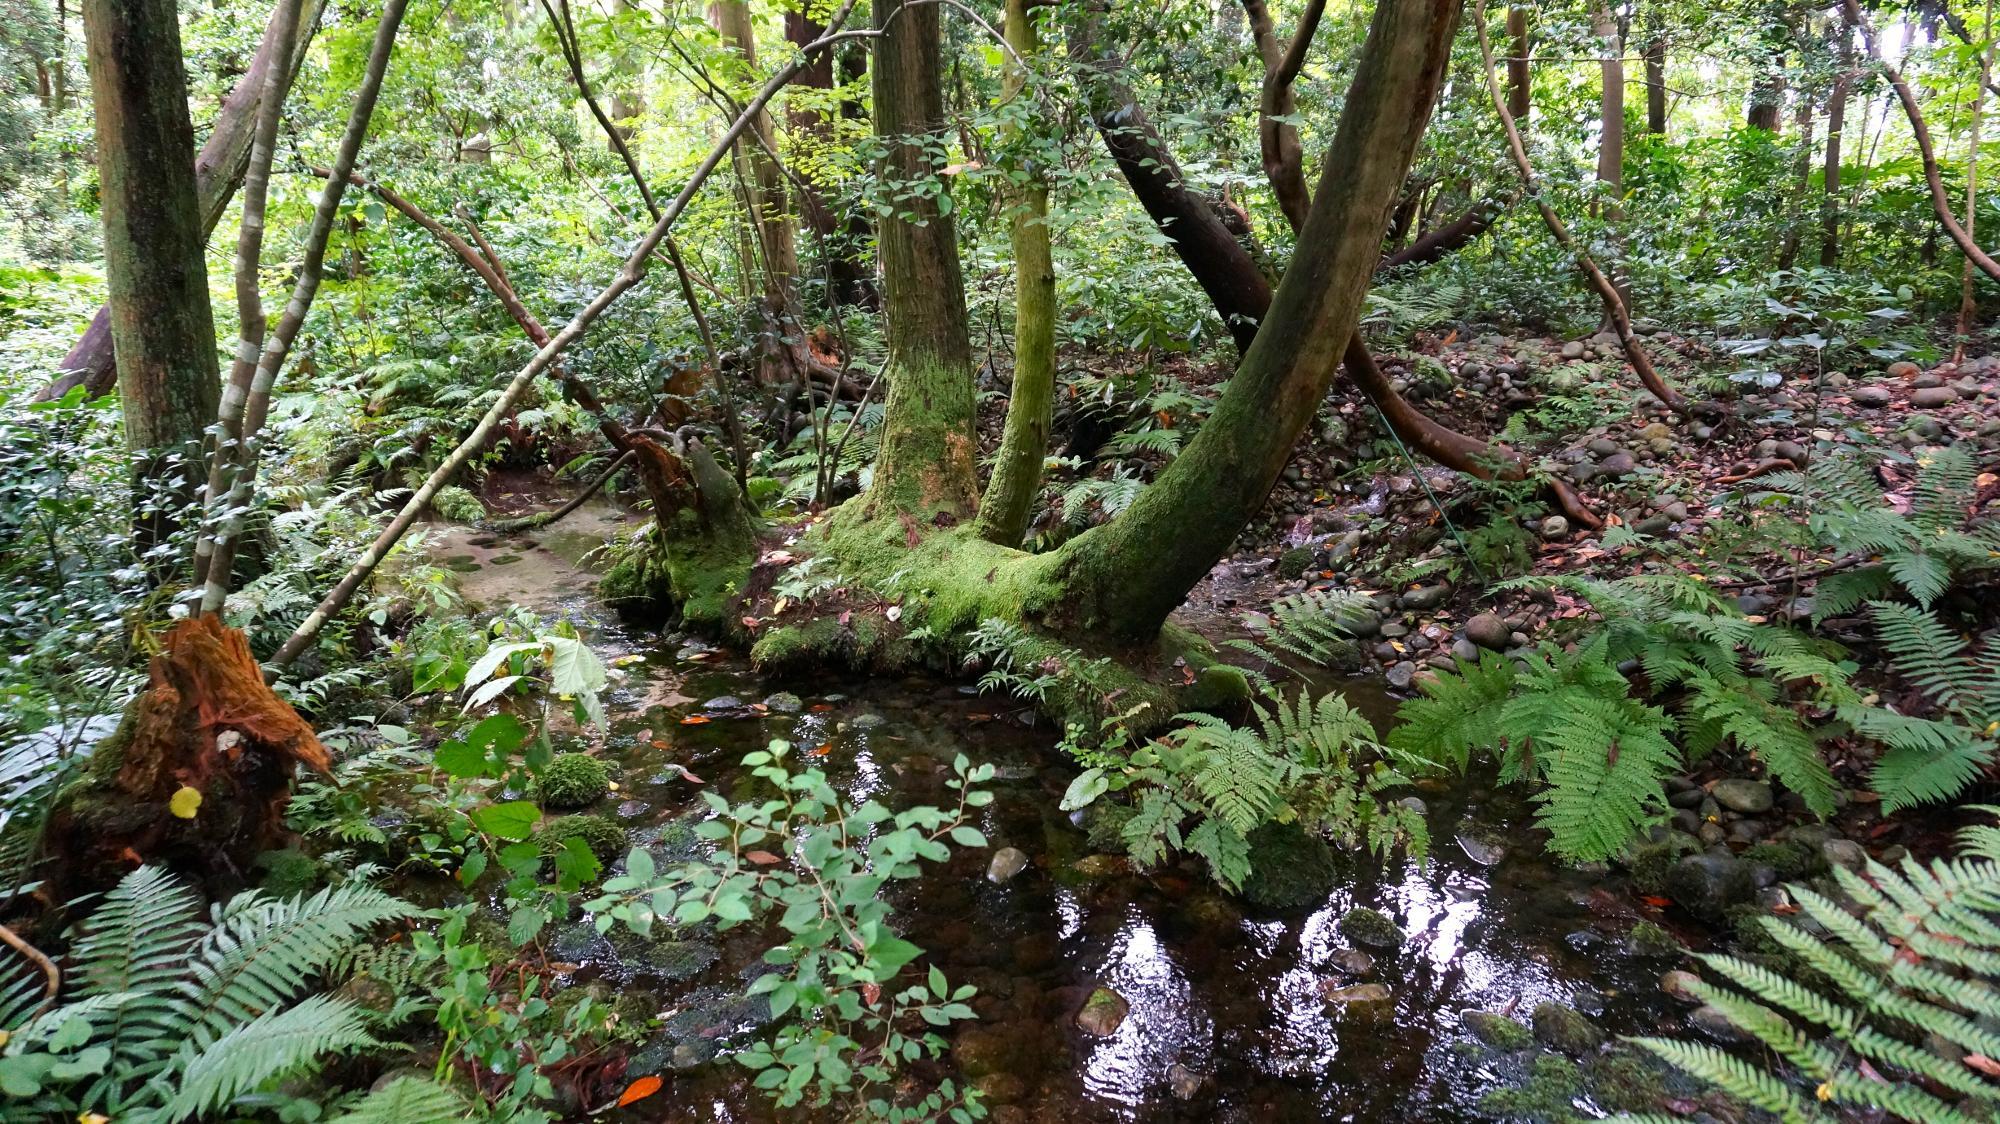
{"x":185,"y":802}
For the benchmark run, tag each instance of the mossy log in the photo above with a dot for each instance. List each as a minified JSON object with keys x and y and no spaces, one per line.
{"x":207,"y":723}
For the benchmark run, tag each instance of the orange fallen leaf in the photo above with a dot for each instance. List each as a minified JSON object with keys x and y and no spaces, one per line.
{"x":1983,"y":1064}
{"x":639,"y":1090}
{"x":1656,"y":901}
{"x":762,"y":858}
{"x":660,"y":743}
{"x":820,"y":708}
{"x":694,"y":720}
{"x":821,"y":750}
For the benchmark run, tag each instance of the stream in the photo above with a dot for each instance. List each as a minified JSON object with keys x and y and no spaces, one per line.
{"x":1227,"y":1020}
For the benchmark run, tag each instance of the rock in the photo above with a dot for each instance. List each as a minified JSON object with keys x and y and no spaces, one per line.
{"x":1604,"y":447}
{"x":1904,"y":369}
{"x":1355,"y":993}
{"x":1573,"y":349}
{"x":1748,"y":797}
{"x":1657,"y":431}
{"x":1927,"y":380}
{"x":1792,"y":451}
{"x":1090,"y":868}
{"x":1873,"y":397}
{"x":1496,"y":1031}
{"x":784,"y":702}
{"x":1103,"y":1013}
{"x":866,"y":721}
{"x":1464,"y":650}
{"x":1401,"y":675}
{"x":1481,"y":845}
{"x":1675,"y":983}
{"x":723,"y":702}
{"x":1582,"y":472}
{"x":1709,"y":883}
{"x":1353,"y":961}
{"x":1488,"y":630}
{"x":1844,"y":853}
{"x":1616,"y":465}
{"x":1554,"y":527}
{"x":1931,"y":397}
{"x":1562,"y":1027}
{"x":1370,"y":927}
{"x":1648,"y":939}
{"x":1185,"y":1083}
{"x":1425,"y":597}
{"x":1290,"y":870}
{"x":1007,"y":862}
{"x":1713,"y":1023}
{"x":1394,"y":630}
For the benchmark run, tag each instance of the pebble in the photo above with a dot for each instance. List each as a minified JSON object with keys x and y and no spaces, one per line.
{"x":1844,"y":853}
{"x":1931,"y":397}
{"x":1185,"y":1083}
{"x":1748,"y":797}
{"x":1675,"y":983}
{"x":1354,"y":961}
{"x":1355,"y":993}
{"x":1488,"y":630}
{"x":1873,"y":397}
{"x":1103,"y":1013}
{"x":1007,"y":862}
{"x":1401,"y":674}
{"x":1554,"y":527}
{"x":1713,"y":1023}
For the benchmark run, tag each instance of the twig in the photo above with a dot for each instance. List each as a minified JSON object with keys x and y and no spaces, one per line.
{"x":48,"y":967}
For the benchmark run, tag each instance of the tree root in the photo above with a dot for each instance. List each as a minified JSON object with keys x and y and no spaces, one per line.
{"x":1763,"y":468}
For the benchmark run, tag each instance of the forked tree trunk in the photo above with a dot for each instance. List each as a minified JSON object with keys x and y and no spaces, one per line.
{"x":161,"y":321}
{"x":1017,"y":469}
{"x":926,"y":470}
{"x":1125,"y":577}
{"x":218,"y":170}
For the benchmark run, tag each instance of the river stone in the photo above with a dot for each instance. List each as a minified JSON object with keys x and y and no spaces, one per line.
{"x":722,"y":702}
{"x":1931,"y":397}
{"x":1713,"y":1023}
{"x":1747,"y":797}
{"x":1573,"y":349}
{"x":1496,"y":1031}
{"x":1564,"y":1028}
{"x":784,"y":702}
{"x":1873,"y":397}
{"x":1402,"y":674}
{"x":1844,"y":853}
{"x":1461,"y":649}
{"x":1425,"y":597}
{"x":1604,"y":447}
{"x":1370,"y":927}
{"x":1355,"y":993}
{"x":1488,"y":630}
{"x":1904,"y":369}
{"x":1709,"y":883}
{"x":1184,"y":1082}
{"x":1616,"y":465}
{"x":1353,"y":960}
{"x":1481,"y":846}
{"x":1554,"y":527}
{"x":1007,"y":862}
{"x":1103,"y":1013}
{"x":1675,"y":983}
{"x":866,"y":721}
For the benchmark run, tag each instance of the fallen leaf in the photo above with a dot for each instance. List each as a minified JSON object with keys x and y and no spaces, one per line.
{"x":639,"y":1090}
{"x":762,"y":858}
{"x":185,"y":802}
{"x":694,"y":720}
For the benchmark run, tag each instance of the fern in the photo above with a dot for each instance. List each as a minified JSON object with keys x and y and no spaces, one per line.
{"x":1929,"y":760}
{"x":173,"y":1019}
{"x":1315,"y":627}
{"x":1922,"y":954}
{"x":406,"y":1100}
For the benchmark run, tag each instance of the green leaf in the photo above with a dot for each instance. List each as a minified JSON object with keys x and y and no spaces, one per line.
{"x":1088,"y":786}
{"x":514,"y":820}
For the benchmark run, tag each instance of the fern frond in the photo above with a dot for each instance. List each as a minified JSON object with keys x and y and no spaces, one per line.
{"x":407,"y":1100}
{"x":273,"y":1044}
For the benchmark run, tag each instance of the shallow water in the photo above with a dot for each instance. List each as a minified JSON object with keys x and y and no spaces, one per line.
{"x":1230,"y":997}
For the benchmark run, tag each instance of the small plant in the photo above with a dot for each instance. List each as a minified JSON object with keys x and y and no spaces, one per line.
{"x":1894,"y":1013}
{"x":819,"y":866}
{"x":169,"y":1017}
{"x":1316,"y":627}
{"x":1931,"y":759}
{"x":573,"y":780}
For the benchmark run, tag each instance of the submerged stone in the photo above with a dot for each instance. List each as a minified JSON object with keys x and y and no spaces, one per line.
{"x":1355,"y":993}
{"x":1370,"y":927}
{"x":1562,"y":1027}
{"x":1103,"y":1013}
{"x":1496,"y":1031}
{"x":1006,"y":863}
{"x":1289,"y":869}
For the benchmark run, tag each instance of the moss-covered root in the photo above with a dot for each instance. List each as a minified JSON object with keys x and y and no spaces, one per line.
{"x":696,"y":559}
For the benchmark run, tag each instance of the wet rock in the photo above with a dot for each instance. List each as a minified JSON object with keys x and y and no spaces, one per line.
{"x":1554,"y":527}
{"x":1415,"y":804}
{"x":723,"y":702}
{"x":1675,"y":983}
{"x":1184,"y":1083}
{"x":1401,"y":675}
{"x":1844,"y":853}
{"x":1709,"y":883}
{"x":1747,"y":797}
{"x":1931,"y":397}
{"x":1496,"y":1031}
{"x":784,"y":702}
{"x":1573,"y":349}
{"x":1090,"y":868}
{"x":1353,"y":961}
{"x":1355,"y":993}
{"x":1007,"y":862}
{"x":1713,"y":1023}
{"x":866,"y":721}
{"x":1370,"y":927}
{"x":1482,"y":845}
{"x":1290,"y":870}
{"x":663,"y":958}
{"x":1562,"y":1027}
{"x":1648,"y":939}
{"x":1462,"y":649}
{"x":1488,"y":630}
{"x":987,"y":1048}
{"x":1103,"y":1013}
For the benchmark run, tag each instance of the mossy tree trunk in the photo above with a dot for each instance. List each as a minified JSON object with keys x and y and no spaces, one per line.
{"x":1124,"y":578}
{"x":162,"y":328}
{"x":1017,"y":469}
{"x":927,"y":470}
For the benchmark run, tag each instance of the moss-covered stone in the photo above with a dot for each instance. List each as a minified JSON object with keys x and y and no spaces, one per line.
{"x":290,"y":872}
{"x":1562,"y":1027}
{"x":1648,"y":939}
{"x":1104,"y":826}
{"x":573,"y":780}
{"x":1624,"y":1080}
{"x":1370,"y":927}
{"x":1792,"y":859}
{"x":1548,"y":1093}
{"x":1496,"y":1031}
{"x":1289,"y":869}
{"x":1294,"y":562}
{"x":605,"y":839}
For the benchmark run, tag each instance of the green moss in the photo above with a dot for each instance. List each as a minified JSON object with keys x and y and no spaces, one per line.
{"x":1564,"y":1028}
{"x":1496,"y":1031}
{"x":1624,"y":1080}
{"x":1648,"y":939}
{"x":573,"y":780}
{"x":605,"y":839}
{"x":1791,"y":859}
{"x":1293,"y":563}
{"x":290,"y":872}
{"x":1370,"y":927}
{"x":1548,"y":1093}
{"x":1289,"y":869}
{"x":1104,"y":826}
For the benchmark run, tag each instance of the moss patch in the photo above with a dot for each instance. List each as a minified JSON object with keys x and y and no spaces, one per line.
{"x":1289,"y":869}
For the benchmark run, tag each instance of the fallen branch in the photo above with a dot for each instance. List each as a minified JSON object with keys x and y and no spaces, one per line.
{"x":40,"y":960}
{"x":1763,"y":468}
{"x":628,"y":275}
{"x":544,"y":518}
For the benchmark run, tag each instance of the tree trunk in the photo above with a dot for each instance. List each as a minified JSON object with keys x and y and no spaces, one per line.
{"x":1204,"y":242}
{"x":1520,"y":77}
{"x":1836,"y":129}
{"x":218,"y":171}
{"x":1656,"y":84}
{"x":764,"y":192}
{"x":1795,"y":207}
{"x":1968,"y":305}
{"x":1767,"y":94}
{"x":161,"y":324}
{"x":926,"y":469}
{"x":1017,"y":469}
{"x":1611,"y":108}
{"x":1124,"y":578}
{"x":844,"y":240}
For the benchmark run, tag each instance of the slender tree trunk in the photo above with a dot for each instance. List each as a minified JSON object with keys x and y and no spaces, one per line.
{"x":1611,"y":138}
{"x":1277,"y":137}
{"x":1124,"y":578}
{"x":1836,"y":132}
{"x":846,"y":238}
{"x":1520,"y":75}
{"x":763,"y":184}
{"x":1795,"y":206}
{"x":1017,"y":469}
{"x":161,"y":323}
{"x":926,"y":469}
{"x":218,"y":170}
{"x":1656,"y":82}
{"x":1968,"y":304}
